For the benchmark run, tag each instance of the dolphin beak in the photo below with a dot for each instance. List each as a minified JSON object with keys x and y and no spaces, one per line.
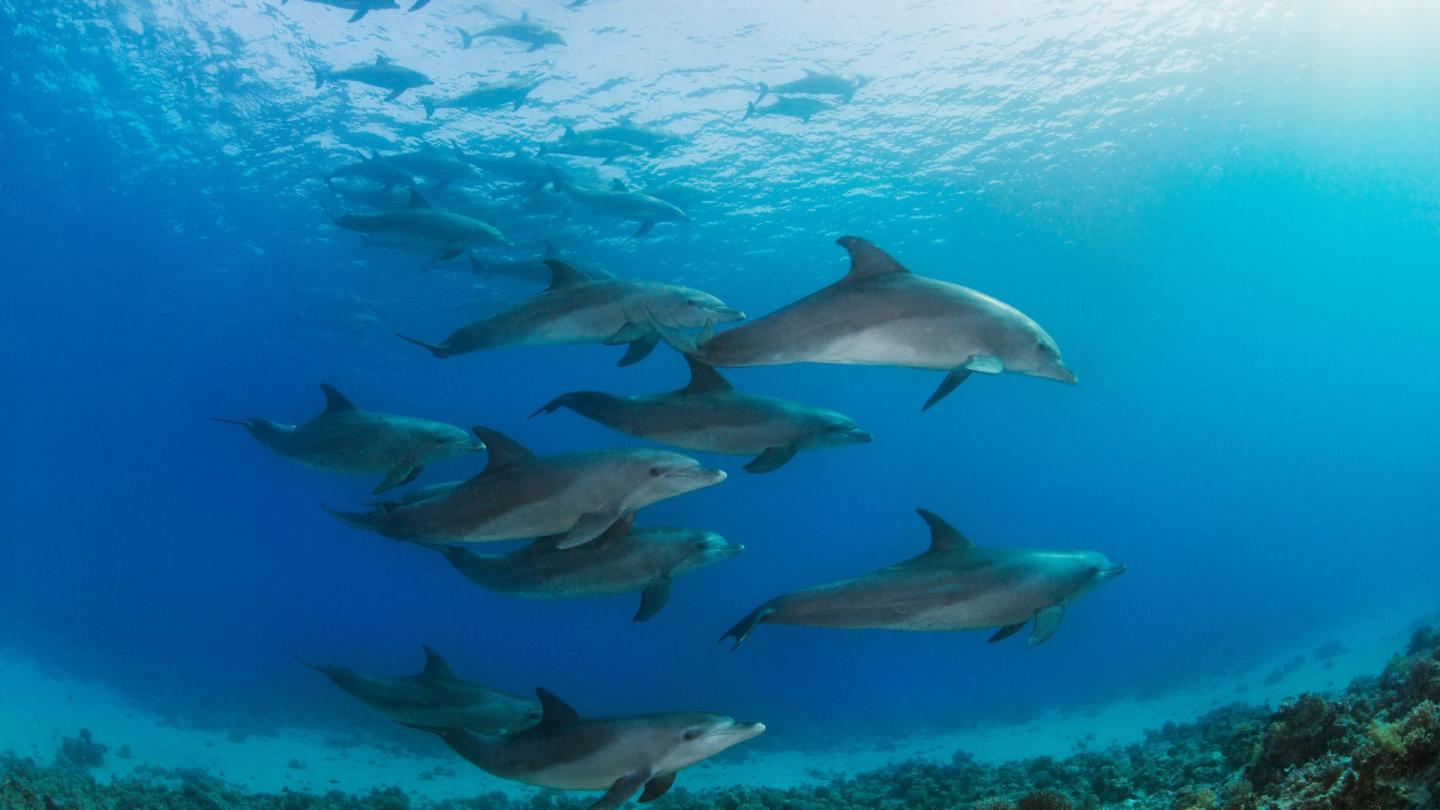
{"x":1062,"y":373}
{"x":726,"y":315}
{"x":1115,"y":570}
{"x":861,"y":436}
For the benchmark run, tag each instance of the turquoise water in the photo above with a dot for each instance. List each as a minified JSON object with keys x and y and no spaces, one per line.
{"x":1227,"y":216}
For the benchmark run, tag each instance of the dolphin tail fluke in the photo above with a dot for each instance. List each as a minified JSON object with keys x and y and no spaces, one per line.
{"x":764,"y":91}
{"x":359,"y":15}
{"x":562,"y":401}
{"x":749,"y":111}
{"x":746,"y":626}
{"x":305,"y":663}
{"x":439,"y":351}
{"x":245,"y":423}
{"x":321,"y":76}
{"x":429,"y":105}
{"x":419,"y":4}
{"x":465,"y":38}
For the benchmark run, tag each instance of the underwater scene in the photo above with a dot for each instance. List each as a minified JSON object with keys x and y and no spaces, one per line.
{"x":727,"y":405}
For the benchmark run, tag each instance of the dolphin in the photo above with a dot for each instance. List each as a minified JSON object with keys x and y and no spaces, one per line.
{"x":650,"y":139}
{"x":360,"y":7}
{"x":422,"y":223}
{"x":512,"y":91}
{"x":618,"y":755}
{"x":535,"y":34}
{"x":590,"y":146}
{"x":576,"y":308}
{"x":709,"y":416}
{"x":373,"y":169}
{"x":881,"y":314}
{"x":816,"y":84}
{"x":790,"y":106}
{"x":382,"y":73}
{"x":436,"y":696}
{"x":622,"y":203}
{"x":519,"y":496}
{"x":517,"y":166}
{"x":622,"y":559}
{"x":345,"y":439}
{"x":441,"y":166}
{"x":534,"y":270}
{"x":954,"y":585}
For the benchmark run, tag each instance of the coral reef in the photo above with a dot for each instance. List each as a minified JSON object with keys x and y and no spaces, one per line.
{"x":1375,"y":746}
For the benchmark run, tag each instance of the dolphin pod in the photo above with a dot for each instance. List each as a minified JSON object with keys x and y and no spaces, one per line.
{"x":953,"y":585}
{"x":619,"y":755}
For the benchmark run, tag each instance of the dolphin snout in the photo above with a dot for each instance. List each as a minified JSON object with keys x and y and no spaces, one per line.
{"x":1062,"y":373}
{"x":728,"y":314}
{"x":861,"y":436}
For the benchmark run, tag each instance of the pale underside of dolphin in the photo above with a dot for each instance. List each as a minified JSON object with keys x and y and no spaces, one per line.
{"x":954,"y":585}
{"x":881,"y":314}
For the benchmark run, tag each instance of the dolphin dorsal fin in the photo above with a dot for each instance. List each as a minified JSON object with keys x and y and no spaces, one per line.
{"x":335,"y":402}
{"x":563,"y":276}
{"x":703,"y":377}
{"x":435,"y":666}
{"x":553,"y":709}
{"x":866,"y":260}
{"x":382,"y":59}
{"x":524,"y":16}
{"x":618,"y":185}
{"x":417,"y":200}
{"x":502,"y":449}
{"x":943,"y":536}
{"x":809,"y":72}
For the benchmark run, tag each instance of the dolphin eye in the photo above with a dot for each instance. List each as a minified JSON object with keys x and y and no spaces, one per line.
{"x":691,"y":734}
{"x":654,"y":472}
{"x":692,"y":303}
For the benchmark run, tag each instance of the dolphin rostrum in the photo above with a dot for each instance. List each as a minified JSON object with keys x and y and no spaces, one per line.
{"x":816,"y":84}
{"x":535,"y":34}
{"x":618,"y":755}
{"x":954,"y":585}
{"x":512,"y":91}
{"x":577,"y":308}
{"x":381,"y":73}
{"x":437,"y":697}
{"x":345,"y":439}
{"x":520,"y":496}
{"x":708,"y":415}
{"x":622,"y":559}
{"x":881,"y":314}
{"x":421,"y":223}
{"x":622,"y":203}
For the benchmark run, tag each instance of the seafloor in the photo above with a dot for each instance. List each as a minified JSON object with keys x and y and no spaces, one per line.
{"x":1375,"y":744}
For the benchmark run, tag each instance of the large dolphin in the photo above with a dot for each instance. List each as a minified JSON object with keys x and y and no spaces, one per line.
{"x":954,"y":585}
{"x":512,"y":91}
{"x":790,"y":107}
{"x":708,"y":415}
{"x":381,"y":73}
{"x":816,"y":84}
{"x":360,"y":7}
{"x":881,"y":314}
{"x":436,"y":696}
{"x":622,"y":203}
{"x":345,"y":439}
{"x":579,"y":309}
{"x":520,"y":495}
{"x":535,"y":34}
{"x":423,"y":224}
{"x":618,"y":755}
{"x":621,"y":560}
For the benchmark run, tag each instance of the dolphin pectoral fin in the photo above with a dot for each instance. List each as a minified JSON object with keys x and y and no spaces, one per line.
{"x":950,"y":383}
{"x":356,"y":17}
{"x":654,"y":597}
{"x":1005,"y":632}
{"x":657,"y":787}
{"x":746,"y":626}
{"x":639,"y":349}
{"x":590,"y":526}
{"x":1046,"y":621}
{"x":645,"y":227}
{"x":622,"y":790}
{"x":398,"y":477}
{"x":985,"y":364}
{"x":629,"y":333}
{"x":394,"y":94}
{"x":439,"y":351}
{"x":676,"y":339}
{"x":771,"y":460}
{"x":447,"y":252}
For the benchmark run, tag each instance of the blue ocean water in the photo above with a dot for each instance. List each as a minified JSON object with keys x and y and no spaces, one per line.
{"x":1227,"y":214}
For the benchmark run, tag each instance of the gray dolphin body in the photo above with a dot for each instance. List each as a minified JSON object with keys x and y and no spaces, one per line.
{"x":621,"y":560}
{"x":360,"y":7}
{"x":420,"y":223}
{"x":519,"y":496}
{"x":579,"y":309}
{"x":441,"y":166}
{"x":588,"y":145}
{"x":708,"y":415}
{"x":374,"y":169}
{"x":535,"y":34}
{"x":815,"y":84}
{"x":619,"y":755}
{"x":345,"y":439}
{"x":517,"y":166}
{"x":622,"y":203}
{"x":437,"y":697}
{"x":512,"y":91}
{"x":954,"y":585}
{"x":790,"y":107}
{"x":881,"y":314}
{"x":381,"y":73}
{"x":651,"y":139}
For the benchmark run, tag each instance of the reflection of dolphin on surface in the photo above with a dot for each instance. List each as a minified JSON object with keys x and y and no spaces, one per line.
{"x":436,"y":696}
{"x":954,"y":585}
{"x":619,"y":755}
